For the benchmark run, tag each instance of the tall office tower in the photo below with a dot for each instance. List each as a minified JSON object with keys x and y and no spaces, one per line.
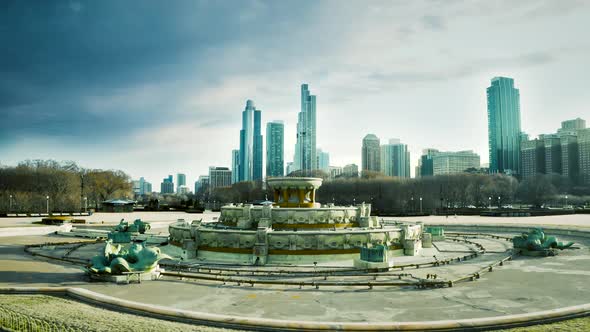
{"x":323,"y":161}
{"x":570,"y":165}
{"x":147,"y":188}
{"x":532,"y":158}
{"x":426,"y":162}
{"x":250,"y":168}
{"x":167,"y":185}
{"x":275,"y":148}
{"x":584,"y":155}
{"x":395,"y":159}
{"x":504,"y":132}
{"x":552,"y":145}
{"x":371,"y":154}
{"x":305,"y":148}
{"x":235,"y":165}
{"x":219,"y":177}
{"x":202,"y":184}
{"x":180,"y":180}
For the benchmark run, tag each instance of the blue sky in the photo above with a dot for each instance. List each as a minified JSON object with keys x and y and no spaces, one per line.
{"x":156,"y":88}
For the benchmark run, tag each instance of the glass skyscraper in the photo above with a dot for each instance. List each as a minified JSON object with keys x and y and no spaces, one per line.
{"x":275,"y":138}
{"x":305,"y":148}
{"x":250,"y":167}
{"x":371,"y":153}
{"x":235,"y":162}
{"x":395,"y":159}
{"x":504,"y":130}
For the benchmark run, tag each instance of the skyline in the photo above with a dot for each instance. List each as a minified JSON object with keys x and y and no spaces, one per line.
{"x":175,"y":108}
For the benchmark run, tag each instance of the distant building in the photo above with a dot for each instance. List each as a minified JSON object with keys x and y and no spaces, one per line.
{"x":323,"y":161}
{"x":559,"y":153}
{"x":180,"y":180}
{"x":275,"y":154}
{"x":183,"y":190}
{"x":335,"y":171}
{"x":350,"y":171}
{"x":202,"y":184}
{"x":167,"y":185}
{"x":395,"y":159}
{"x":305,"y":149}
{"x":371,"y":154}
{"x":235,"y":165}
{"x":219,"y":177}
{"x":455,"y":162}
{"x":435,"y":162}
{"x":584,"y":155}
{"x":504,"y":131}
{"x":141,"y":187}
{"x":250,"y":167}
{"x":290,"y":168}
{"x":532,"y":155}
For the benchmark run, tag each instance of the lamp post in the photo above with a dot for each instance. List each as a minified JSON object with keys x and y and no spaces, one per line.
{"x":47,"y":199}
{"x":566,"y":201}
{"x":10,"y":204}
{"x":499,"y":205}
{"x":420,"y":205}
{"x":490,"y":202}
{"x":85,"y":204}
{"x":412,"y":203}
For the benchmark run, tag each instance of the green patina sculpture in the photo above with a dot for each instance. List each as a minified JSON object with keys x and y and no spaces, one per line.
{"x":536,"y":240}
{"x":138,"y":226}
{"x":116,"y":261}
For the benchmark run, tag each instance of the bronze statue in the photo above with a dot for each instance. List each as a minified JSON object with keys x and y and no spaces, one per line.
{"x":115,"y":260}
{"x":536,"y":240}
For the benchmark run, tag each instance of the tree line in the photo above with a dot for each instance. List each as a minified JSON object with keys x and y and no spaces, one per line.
{"x":35,"y":185}
{"x":397,"y":195}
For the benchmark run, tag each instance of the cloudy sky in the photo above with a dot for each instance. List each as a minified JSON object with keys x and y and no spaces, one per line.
{"x":157,"y":87}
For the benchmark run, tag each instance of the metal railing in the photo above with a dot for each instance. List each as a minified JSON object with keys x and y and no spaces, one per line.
{"x":12,"y":320}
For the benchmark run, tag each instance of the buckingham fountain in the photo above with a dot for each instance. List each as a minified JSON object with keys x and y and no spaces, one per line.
{"x":293,"y":228}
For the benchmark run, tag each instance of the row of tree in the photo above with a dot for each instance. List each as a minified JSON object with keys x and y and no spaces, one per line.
{"x":38,"y":185}
{"x":397,"y":195}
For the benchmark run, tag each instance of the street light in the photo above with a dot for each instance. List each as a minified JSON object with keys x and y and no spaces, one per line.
{"x":10,"y":204}
{"x":85,"y":204}
{"x":47,"y":198}
{"x":499,"y":202}
{"x":566,"y":201}
{"x":420,"y":205}
{"x":490,"y":204}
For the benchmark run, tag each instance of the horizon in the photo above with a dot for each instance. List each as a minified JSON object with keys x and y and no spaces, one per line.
{"x":101,"y":85}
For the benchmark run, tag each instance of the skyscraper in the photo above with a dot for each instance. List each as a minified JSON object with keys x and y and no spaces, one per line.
{"x":275,"y":143}
{"x":235,"y":163}
{"x":323,"y":161}
{"x":219,"y":177}
{"x":371,"y":154}
{"x":180,"y":180}
{"x":250,"y":168}
{"x":504,"y":130}
{"x":167,"y":185}
{"x":395,"y":159}
{"x":305,"y":148}
{"x":584,"y":155}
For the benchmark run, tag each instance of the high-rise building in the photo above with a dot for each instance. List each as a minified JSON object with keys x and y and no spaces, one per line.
{"x":167,"y":185}
{"x":142,"y":187}
{"x":572,"y":126}
{"x":426,"y":166}
{"x":305,"y":148}
{"x":219,"y":177}
{"x":250,"y":167}
{"x":183,"y":190}
{"x":435,"y":162}
{"x":584,"y":155}
{"x":323,"y":161}
{"x":335,"y":171}
{"x":570,"y":163}
{"x":275,"y":143}
{"x":395,"y":159}
{"x":235,"y":165}
{"x":371,"y":154}
{"x":202,"y":184}
{"x":532,"y":158}
{"x":552,"y":145}
{"x":180,"y":180}
{"x":350,"y":171}
{"x":504,"y":132}
{"x":147,"y":188}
